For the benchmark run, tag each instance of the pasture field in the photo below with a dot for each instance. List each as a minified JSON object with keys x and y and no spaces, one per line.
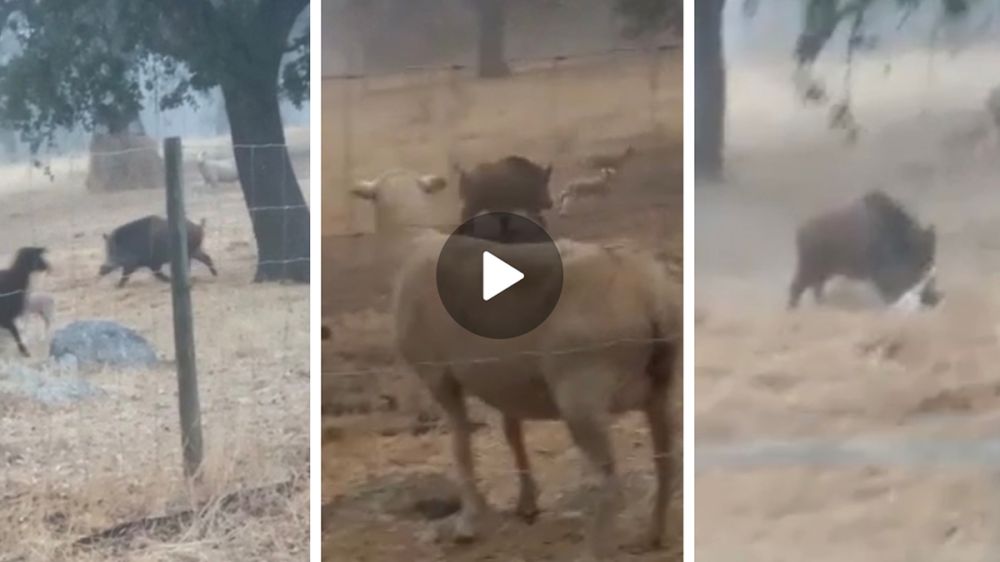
{"x":877,"y":414}
{"x":70,"y":470}
{"x":385,"y":450}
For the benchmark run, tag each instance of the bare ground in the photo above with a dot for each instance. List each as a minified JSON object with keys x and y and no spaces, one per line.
{"x":71,"y":471}
{"x":849,"y":373}
{"x":379,"y":459}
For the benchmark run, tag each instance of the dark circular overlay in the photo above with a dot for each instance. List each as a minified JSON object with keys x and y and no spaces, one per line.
{"x":521,"y":244}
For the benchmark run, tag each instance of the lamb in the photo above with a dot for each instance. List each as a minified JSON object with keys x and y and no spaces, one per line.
{"x":612,"y":161}
{"x":587,"y":186}
{"x":216,"y":171}
{"x":41,"y":305}
{"x":619,"y":310}
{"x":14,"y":284}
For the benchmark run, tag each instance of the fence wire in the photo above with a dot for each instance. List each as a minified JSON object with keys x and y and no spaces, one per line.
{"x":84,"y":449}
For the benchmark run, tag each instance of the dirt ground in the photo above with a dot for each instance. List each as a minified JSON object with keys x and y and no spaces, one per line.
{"x":384,"y":450}
{"x":831,"y":383}
{"x":69,"y":471}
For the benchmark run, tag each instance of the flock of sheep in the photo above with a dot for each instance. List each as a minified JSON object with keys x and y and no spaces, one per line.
{"x":613,"y":344}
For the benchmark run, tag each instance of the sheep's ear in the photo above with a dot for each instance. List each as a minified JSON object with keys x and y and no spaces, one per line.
{"x":431,"y":183}
{"x":365,"y":189}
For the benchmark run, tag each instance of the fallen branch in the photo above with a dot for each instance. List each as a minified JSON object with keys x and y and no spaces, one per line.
{"x":174,"y":523}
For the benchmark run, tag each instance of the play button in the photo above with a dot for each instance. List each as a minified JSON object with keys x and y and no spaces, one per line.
{"x":499,"y":275}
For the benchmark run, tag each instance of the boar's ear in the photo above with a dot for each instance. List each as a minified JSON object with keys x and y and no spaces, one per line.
{"x":548,"y":172}
{"x":364,"y":189}
{"x":104,"y":235}
{"x":431,"y":183}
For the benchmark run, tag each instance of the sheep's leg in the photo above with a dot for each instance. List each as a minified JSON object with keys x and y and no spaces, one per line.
{"x":449,"y":395}
{"x":584,"y":409}
{"x":203,"y":258}
{"x":126,"y":273}
{"x":12,"y":328}
{"x":527,"y":501}
{"x":659,"y":428}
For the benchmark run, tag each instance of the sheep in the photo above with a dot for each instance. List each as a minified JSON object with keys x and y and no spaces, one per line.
{"x":587,"y":186}
{"x":41,"y":305}
{"x":612,"y":344}
{"x":613,"y":161}
{"x":216,"y":171}
{"x":511,"y":184}
{"x":14,"y":284}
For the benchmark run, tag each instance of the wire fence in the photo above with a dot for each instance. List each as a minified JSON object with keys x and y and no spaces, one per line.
{"x":429,"y":120}
{"x":98,"y":447}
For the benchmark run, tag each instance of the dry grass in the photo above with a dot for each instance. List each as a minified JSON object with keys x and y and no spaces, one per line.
{"x":848,"y":372}
{"x":75,"y":470}
{"x":374,"y":468}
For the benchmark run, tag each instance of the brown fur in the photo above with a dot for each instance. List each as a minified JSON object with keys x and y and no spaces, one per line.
{"x":510,"y":184}
{"x":612,"y":345}
{"x":872,"y":239}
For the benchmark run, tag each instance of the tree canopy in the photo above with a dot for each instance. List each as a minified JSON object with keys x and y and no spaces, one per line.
{"x":92,"y":63}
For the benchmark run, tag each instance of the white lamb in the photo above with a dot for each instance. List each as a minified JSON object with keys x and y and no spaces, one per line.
{"x":588,"y":186}
{"x":41,"y":305}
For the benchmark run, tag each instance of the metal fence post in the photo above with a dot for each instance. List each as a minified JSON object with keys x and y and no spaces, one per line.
{"x":187,"y":373}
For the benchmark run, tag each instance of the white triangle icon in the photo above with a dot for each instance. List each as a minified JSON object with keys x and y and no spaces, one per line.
{"x":498,"y":276}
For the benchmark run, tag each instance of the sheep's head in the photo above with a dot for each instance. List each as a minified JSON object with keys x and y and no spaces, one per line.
{"x":401,"y":199}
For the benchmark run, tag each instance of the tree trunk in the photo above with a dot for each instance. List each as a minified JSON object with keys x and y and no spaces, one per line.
{"x":709,"y":89}
{"x":492,"y":20}
{"x":273,"y":197}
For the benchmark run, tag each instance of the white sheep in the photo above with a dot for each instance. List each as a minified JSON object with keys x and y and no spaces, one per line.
{"x":588,"y":186}
{"x":613,"y":344}
{"x":41,"y":305}
{"x":216,"y":171}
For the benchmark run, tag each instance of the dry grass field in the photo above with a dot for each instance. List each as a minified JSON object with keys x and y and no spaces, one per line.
{"x":378,"y":460}
{"x":70,"y":470}
{"x":881,"y":411}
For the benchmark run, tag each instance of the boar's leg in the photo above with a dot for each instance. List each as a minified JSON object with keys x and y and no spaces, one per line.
{"x":12,"y":328}
{"x":203,"y":258}
{"x":127,"y":272}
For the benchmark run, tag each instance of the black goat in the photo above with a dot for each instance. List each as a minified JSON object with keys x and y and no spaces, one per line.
{"x":14,"y":288}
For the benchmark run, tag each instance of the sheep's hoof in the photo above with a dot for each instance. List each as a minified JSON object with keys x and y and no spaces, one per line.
{"x":459,"y":529}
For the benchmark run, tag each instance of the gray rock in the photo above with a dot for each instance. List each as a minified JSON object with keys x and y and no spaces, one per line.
{"x":101,"y":343}
{"x":45,"y":388}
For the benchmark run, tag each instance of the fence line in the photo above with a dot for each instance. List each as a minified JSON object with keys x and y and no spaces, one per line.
{"x":529,"y":353}
{"x":558,"y":58}
{"x":70,"y":444}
